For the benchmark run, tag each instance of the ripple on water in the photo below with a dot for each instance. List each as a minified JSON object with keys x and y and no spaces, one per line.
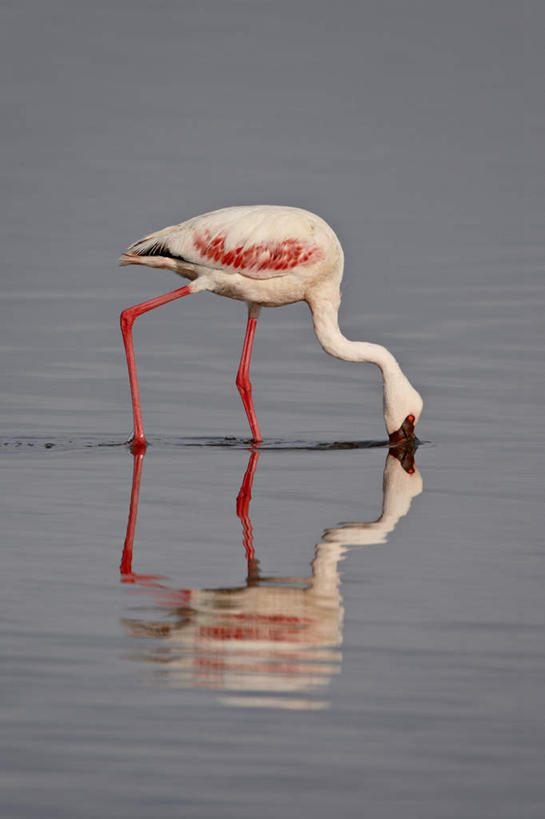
{"x":26,"y":443}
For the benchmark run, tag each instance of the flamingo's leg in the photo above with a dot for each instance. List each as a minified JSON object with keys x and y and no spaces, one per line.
{"x":243,"y":375}
{"x":127,"y":320}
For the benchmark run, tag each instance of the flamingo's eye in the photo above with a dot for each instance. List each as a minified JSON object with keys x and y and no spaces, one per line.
{"x":411,"y":419}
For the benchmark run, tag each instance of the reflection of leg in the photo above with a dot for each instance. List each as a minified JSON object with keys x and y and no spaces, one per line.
{"x":243,"y":376}
{"x":127,"y":320}
{"x":125,"y":567}
{"x":243,"y":511}
{"x":126,"y":558}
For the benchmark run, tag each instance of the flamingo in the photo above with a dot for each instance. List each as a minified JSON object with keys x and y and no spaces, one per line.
{"x":266,"y":256}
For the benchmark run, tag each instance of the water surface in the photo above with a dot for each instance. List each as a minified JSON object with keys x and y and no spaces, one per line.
{"x":312,"y":628}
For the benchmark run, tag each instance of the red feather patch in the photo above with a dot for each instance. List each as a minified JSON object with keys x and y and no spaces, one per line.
{"x":263,"y":256}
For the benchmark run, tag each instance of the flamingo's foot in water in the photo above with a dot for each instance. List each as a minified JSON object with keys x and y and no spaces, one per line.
{"x":137,"y":445}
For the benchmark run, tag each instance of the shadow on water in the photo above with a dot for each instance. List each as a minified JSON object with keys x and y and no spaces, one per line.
{"x":270,"y":641}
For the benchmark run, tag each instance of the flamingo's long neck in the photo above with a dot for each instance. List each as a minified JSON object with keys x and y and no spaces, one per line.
{"x":326,"y":326}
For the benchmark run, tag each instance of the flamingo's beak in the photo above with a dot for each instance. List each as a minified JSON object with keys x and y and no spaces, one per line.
{"x":405,"y":433}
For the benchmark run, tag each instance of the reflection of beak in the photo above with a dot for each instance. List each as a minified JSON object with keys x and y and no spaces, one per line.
{"x":404,"y":453}
{"x":405,"y":431}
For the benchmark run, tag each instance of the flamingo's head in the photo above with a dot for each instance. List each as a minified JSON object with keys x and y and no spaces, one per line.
{"x":402,"y":410}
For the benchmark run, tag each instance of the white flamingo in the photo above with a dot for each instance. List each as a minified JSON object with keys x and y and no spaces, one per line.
{"x":266,"y":256}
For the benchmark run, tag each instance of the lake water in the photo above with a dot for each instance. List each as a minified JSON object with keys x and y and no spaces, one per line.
{"x":316,"y":627}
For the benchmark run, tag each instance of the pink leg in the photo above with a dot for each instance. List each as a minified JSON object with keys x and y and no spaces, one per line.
{"x":128,"y":316}
{"x":243,"y":376}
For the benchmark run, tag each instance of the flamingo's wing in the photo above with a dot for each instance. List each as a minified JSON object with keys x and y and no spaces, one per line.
{"x":261,"y":242}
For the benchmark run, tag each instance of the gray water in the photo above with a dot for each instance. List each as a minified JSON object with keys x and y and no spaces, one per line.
{"x":357,"y":640}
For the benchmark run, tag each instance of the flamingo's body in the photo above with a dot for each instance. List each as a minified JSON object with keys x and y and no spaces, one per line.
{"x":266,"y":256}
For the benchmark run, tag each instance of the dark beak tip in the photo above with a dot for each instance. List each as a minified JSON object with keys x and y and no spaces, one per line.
{"x":405,"y":433}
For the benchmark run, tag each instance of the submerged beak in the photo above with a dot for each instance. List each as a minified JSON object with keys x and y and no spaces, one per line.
{"x":405,"y":433}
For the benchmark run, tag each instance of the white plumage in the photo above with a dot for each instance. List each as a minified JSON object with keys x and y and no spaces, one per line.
{"x":272,"y":240}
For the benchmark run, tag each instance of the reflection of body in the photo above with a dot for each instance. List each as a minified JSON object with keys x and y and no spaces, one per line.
{"x":276,"y":635}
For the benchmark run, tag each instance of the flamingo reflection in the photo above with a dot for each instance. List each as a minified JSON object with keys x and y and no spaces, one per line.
{"x":274,"y":641}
